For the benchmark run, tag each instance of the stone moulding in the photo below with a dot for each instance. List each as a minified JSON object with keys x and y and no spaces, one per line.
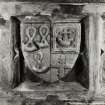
{"x":88,"y":27}
{"x":57,"y":1}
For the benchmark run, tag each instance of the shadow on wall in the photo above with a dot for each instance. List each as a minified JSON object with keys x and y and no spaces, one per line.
{"x":80,"y":71}
{"x":82,"y":66}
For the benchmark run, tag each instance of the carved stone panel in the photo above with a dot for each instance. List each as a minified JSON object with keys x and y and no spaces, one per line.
{"x":35,"y":36}
{"x":50,"y":55}
{"x":65,"y":46}
{"x":35,"y":45}
{"x":66,"y":37}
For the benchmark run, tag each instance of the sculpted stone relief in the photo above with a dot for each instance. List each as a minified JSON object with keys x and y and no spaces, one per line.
{"x":36,"y":36}
{"x":66,"y":36}
{"x":66,"y":46}
{"x":46,"y":53}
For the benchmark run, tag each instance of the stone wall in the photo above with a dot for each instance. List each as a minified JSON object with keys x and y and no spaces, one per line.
{"x":8,"y":9}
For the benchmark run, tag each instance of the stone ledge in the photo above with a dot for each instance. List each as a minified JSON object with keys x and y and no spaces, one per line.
{"x":16,"y":98}
{"x":58,"y":1}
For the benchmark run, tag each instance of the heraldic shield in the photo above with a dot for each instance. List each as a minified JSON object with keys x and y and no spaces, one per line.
{"x":50,"y":49}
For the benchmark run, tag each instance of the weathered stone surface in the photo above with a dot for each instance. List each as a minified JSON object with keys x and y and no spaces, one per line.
{"x":58,"y":1}
{"x":26,"y":8}
{"x":13,"y":9}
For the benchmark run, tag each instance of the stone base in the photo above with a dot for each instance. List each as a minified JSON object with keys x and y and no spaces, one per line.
{"x":63,"y":90}
{"x":55,"y":94}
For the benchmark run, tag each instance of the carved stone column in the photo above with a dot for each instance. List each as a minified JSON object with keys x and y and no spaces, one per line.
{"x":99,"y":38}
{"x":95,"y":40}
